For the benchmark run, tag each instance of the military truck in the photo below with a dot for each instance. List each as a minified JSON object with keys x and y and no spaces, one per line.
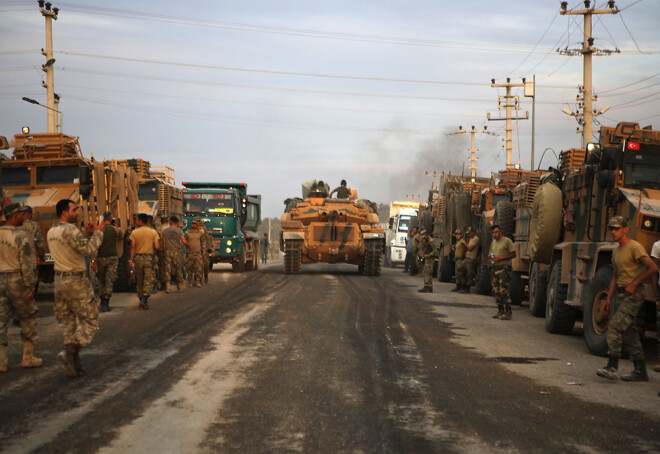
{"x":48,"y":167}
{"x":231,"y":216}
{"x":402,"y":216}
{"x":319,"y":229}
{"x":620,"y":176}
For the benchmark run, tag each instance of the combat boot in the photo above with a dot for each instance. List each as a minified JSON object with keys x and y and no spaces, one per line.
{"x":466,"y":289}
{"x":3,"y":359}
{"x":639,"y":374}
{"x":610,"y":370}
{"x":190,"y":284}
{"x":143,"y":303}
{"x":507,"y":313}
{"x":29,"y":360}
{"x":198,"y":283}
{"x":105,"y":304}
{"x":167,"y":287}
{"x":500,"y":311}
{"x":67,"y":360}
{"x":76,"y":362}
{"x":180,"y":287}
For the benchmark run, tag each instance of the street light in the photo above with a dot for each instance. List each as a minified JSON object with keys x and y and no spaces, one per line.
{"x":33,"y":101}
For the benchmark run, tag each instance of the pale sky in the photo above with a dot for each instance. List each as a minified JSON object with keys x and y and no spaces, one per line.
{"x":273,"y":93}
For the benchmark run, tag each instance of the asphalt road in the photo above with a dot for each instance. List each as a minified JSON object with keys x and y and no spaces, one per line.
{"x":328,"y":362}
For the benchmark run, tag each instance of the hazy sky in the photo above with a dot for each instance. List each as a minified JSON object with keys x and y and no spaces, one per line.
{"x":273,"y":93}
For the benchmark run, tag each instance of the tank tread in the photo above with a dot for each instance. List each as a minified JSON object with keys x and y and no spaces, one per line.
{"x":372,"y":257}
{"x":293,"y":257}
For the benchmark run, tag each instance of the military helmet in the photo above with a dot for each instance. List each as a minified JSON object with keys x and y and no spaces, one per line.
{"x":14,"y":208}
{"x":458,"y":232}
{"x":617,"y":222}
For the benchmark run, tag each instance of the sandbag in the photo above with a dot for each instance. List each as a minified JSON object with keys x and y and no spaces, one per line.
{"x":545,"y":223}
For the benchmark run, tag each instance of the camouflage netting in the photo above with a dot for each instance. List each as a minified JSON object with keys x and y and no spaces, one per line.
{"x":368,"y":205}
{"x":315,"y":185}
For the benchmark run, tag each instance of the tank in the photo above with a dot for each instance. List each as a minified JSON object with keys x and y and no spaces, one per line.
{"x":318,"y":229}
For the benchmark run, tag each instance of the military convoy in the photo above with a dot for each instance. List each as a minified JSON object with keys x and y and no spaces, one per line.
{"x":318,"y":229}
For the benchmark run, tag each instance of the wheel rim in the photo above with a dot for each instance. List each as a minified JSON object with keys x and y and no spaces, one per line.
{"x":600,"y":319}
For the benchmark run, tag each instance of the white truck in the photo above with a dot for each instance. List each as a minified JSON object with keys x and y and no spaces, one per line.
{"x":402,"y":216}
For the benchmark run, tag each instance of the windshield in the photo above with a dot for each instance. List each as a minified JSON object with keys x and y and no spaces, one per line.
{"x":57,"y":175}
{"x":404,"y":221}
{"x":643,"y":168}
{"x":16,"y":176}
{"x":208,"y":204}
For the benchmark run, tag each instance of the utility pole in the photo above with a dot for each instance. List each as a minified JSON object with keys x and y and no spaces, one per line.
{"x":585,"y":98}
{"x":51,"y":97}
{"x":473,"y":151}
{"x":510,"y":103}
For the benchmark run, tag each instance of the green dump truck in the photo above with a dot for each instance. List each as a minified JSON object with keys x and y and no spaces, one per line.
{"x":231,"y":216}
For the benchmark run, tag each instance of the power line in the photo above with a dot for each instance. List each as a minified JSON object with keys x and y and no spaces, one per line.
{"x":631,"y":35}
{"x":536,"y":45}
{"x":630,"y":84}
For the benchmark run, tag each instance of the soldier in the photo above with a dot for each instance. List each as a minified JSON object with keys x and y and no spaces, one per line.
{"x":655,"y":256}
{"x":632,"y":267}
{"x":501,"y":252}
{"x":155,"y":258}
{"x":342,"y":191}
{"x":459,"y":259}
{"x":107,"y":260}
{"x":173,"y":242}
{"x":34,"y":233}
{"x":415,"y":263}
{"x":161,"y":252}
{"x":427,"y":254}
{"x":196,"y":244}
{"x":471,"y":257}
{"x":75,"y":307}
{"x":18,"y":278}
{"x":407,"y":264}
{"x":144,"y":241}
{"x":210,"y":247}
{"x":265,"y":245}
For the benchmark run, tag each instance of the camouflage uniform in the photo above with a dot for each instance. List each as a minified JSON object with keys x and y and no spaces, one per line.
{"x":145,"y":275}
{"x":36,"y":236}
{"x":75,"y":307}
{"x":194,"y":261}
{"x":161,"y":265}
{"x":106,"y":274}
{"x":461,"y":265}
{"x":414,"y":265}
{"x":427,"y":247}
{"x":622,"y":329}
{"x":471,"y":260}
{"x":173,"y":264}
{"x":500,"y":276}
{"x":17,"y":278}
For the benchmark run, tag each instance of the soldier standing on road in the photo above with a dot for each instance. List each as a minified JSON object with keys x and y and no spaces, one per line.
{"x":459,"y":259}
{"x":427,"y":253}
{"x":173,"y":243}
{"x":407,"y":264}
{"x":501,"y":253}
{"x":196,"y":244}
{"x":144,"y":241}
{"x":471,"y":257}
{"x":75,"y":307}
{"x":414,"y":263}
{"x":655,"y":256}
{"x":265,"y":245}
{"x":632,"y":267}
{"x":107,"y":261}
{"x":342,"y":191}
{"x":210,"y":248}
{"x":18,"y":279}
{"x":34,"y":233}
{"x":161,"y":252}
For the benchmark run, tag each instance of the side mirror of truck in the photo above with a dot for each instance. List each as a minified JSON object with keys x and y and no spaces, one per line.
{"x":391,"y":223}
{"x":84,"y":181}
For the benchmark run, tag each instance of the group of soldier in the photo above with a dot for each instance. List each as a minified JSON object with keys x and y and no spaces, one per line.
{"x":156,"y":255}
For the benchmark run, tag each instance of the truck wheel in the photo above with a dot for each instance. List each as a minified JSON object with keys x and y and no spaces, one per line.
{"x":595,"y":320}
{"x":484,"y":284}
{"x":255,"y":257}
{"x":505,"y":213}
{"x":538,"y":288}
{"x":516,"y":288}
{"x":559,"y":317}
{"x":239,"y":265}
{"x":446,"y":270}
{"x":292,"y":256}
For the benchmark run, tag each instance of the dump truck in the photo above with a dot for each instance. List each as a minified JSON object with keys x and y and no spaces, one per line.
{"x":619,"y":175}
{"x":318,"y":229}
{"x":403,"y":215}
{"x":231,"y":216}
{"x":48,"y":167}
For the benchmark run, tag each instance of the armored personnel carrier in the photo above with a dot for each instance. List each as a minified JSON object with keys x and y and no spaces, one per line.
{"x":318,"y":229}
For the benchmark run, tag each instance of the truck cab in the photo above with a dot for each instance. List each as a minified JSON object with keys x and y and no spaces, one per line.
{"x":396,"y":236}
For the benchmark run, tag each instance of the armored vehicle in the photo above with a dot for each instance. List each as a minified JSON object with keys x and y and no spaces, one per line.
{"x":318,"y":229}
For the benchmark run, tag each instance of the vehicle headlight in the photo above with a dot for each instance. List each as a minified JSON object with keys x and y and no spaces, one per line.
{"x":648,"y":223}
{"x":228,"y":242}
{"x":228,"y":250}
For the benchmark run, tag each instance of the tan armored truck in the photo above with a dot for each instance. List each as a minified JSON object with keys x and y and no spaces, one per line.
{"x":48,"y":167}
{"x":318,"y":229}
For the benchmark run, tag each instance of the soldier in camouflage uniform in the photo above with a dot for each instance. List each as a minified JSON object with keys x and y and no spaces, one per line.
{"x":632,"y":267}
{"x":471,"y":256}
{"x":107,"y":260}
{"x":17,"y":281}
{"x":501,"y":253}
{"x":75,"y":307}
{"x":210,"y":247}
{"x":34,"y":233}
{"x":459,"y":259}
{"x":173,"y":241}
{"x":414,"y":262}
{"x":162,"y":259}
{"x":196,"y":245}
{"x":144,"y":242}
{"x":427,"y":254}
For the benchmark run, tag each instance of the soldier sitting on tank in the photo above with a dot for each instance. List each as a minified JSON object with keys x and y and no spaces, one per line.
{"x":319,"y":186}
{"x":342,"y":191}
